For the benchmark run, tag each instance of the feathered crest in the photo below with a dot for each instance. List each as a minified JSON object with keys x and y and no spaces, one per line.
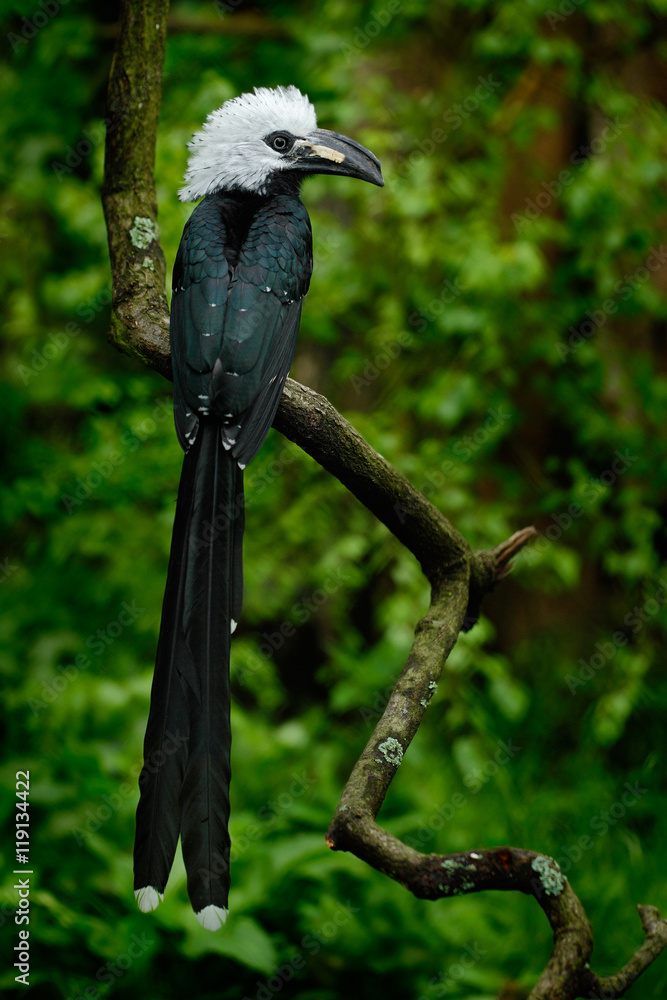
{"x":230,"y":153}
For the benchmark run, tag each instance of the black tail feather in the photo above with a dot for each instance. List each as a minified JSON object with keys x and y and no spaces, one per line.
{"x":237,"y":546}
{"x":190,"y":696}
{"x":207,"y":625}
{"x":168,"y":729}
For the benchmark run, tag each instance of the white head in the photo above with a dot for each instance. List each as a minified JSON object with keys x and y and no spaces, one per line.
{"x":251,"y":138}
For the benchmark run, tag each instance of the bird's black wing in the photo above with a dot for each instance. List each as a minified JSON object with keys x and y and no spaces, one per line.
{"x":261,"y":323}
{"x":200,"y":286}
{"x":235,"y":315}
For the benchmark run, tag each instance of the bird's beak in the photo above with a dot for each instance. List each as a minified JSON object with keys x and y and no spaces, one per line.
{"x":325,"y":152}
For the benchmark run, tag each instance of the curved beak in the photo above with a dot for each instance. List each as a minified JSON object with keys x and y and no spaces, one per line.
{"x":325,"y":152}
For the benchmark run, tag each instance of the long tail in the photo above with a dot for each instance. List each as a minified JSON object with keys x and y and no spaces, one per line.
{"x":185,"y":779}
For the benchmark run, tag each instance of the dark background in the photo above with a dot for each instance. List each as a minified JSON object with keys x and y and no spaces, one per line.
{"x":493,"y":322}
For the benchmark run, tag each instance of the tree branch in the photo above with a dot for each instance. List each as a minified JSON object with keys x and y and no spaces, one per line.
{"x":139,"y":317}
{"x":228,"y":21}
{"x":459,"y":578}
{"x":655,"y":929}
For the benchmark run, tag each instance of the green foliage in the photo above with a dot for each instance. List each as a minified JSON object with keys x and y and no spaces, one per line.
{"x":509,"y":359}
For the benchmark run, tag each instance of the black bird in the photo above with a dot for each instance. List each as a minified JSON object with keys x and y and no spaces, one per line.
{"x":242,"y":270}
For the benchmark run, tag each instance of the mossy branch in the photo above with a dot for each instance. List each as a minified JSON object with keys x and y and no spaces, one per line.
{"x":140,"y":318}
{"x":459,"y":577}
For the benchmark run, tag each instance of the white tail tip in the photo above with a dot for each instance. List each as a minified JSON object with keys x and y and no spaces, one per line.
{"x":212,"y":917}
{"x":148,"y":898}
{"x":233,"y":625}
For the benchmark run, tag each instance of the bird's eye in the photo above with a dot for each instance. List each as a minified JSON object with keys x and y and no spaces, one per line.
{"x":282,"y":142}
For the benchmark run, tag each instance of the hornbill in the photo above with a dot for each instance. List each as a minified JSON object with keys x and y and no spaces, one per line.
{"x":241,"y":272}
